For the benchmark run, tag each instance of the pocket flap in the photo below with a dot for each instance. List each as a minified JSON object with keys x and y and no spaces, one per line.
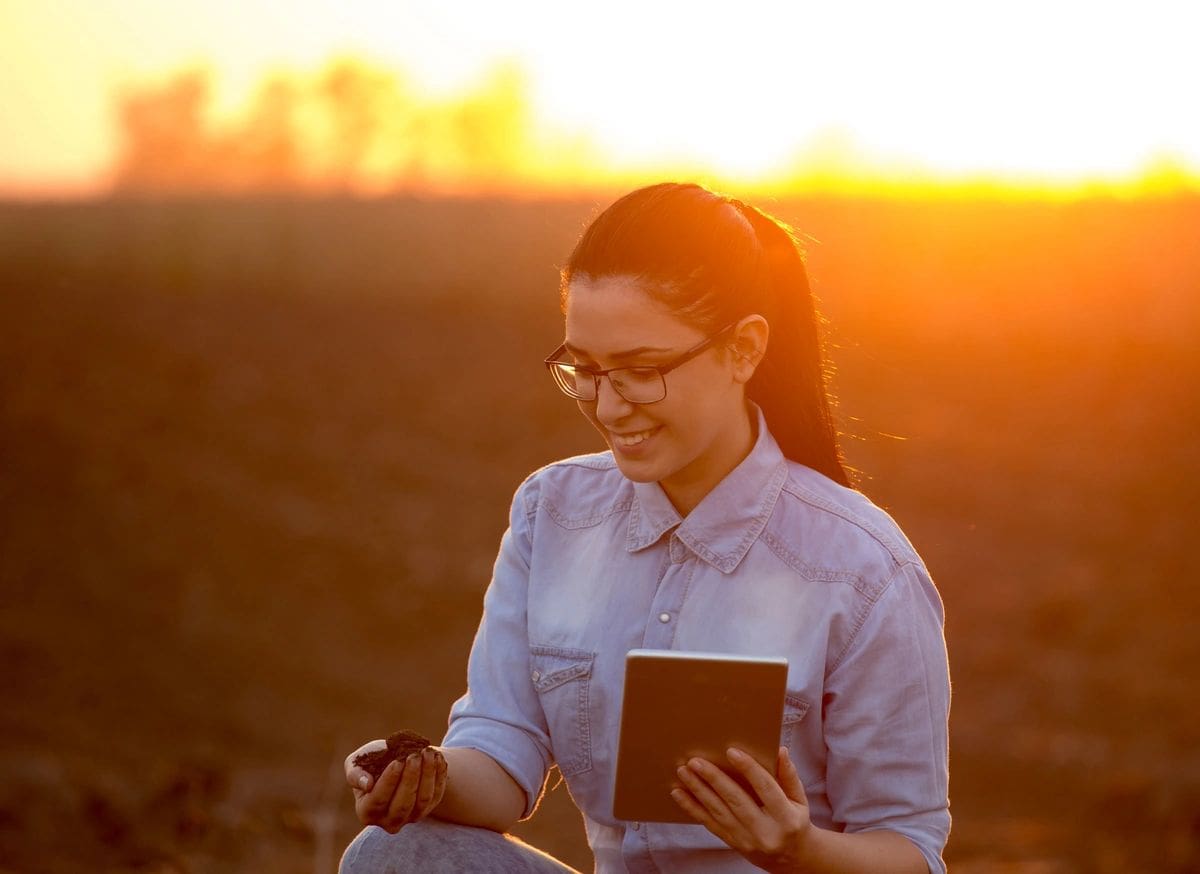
{"x":794,"y":709}
{"x":551,"y":666}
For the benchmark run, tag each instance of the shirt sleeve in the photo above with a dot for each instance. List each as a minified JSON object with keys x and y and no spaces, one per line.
{"x":500,"y":714}
{"x":887,"y":704}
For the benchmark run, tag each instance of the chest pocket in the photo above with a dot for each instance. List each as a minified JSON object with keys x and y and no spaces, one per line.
{"x":562,"y":678}
{"x":795,"y":709}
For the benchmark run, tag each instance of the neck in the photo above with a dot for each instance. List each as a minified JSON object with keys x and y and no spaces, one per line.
{"x":686,"y":494}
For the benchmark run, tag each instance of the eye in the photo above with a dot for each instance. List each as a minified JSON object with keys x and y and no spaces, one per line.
{"x":635,"y":377}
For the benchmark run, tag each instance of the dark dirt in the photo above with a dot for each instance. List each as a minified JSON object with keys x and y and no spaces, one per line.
{"x":400,"y":745}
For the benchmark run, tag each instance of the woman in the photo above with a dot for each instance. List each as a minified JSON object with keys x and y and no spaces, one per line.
{"x":721,"y":519}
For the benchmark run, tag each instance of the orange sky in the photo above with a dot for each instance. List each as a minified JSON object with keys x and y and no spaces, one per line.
{"x":1029,"y":92}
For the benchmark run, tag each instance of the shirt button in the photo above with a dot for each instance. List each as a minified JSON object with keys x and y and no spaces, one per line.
{"x":664,"y":617}
{"x":536,"y":675}
{"x":636,"y":826}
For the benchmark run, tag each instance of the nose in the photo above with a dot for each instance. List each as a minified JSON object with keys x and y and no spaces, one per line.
{"x":610,"y":406}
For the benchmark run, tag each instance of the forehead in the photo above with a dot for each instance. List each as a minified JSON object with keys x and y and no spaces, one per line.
{"x":613,"y":313}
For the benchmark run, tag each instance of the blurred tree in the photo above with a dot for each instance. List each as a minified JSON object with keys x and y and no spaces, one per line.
{"x":165,"y":143}
{"x":359,"y":99}
{"x":352,"y":127}
{"x":270,"y":145}
{"x":490,"y":127}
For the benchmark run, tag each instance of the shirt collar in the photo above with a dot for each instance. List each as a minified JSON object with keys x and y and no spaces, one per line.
{"x":724,"y":525}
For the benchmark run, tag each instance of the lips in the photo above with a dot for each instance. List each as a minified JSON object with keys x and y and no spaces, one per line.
{"x":632,"y":439}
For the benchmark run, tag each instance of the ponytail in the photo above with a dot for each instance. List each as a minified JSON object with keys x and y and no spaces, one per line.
{"x":791,"y":382}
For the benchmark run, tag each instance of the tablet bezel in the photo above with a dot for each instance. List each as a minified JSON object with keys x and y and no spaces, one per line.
{"x":676,"y":704}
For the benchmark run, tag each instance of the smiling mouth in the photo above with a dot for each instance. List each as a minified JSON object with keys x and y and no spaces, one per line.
{"x":635,"y":438}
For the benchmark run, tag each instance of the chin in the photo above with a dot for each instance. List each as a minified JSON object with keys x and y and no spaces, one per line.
{"x":638,"y":473}
{"x":634,"y":476}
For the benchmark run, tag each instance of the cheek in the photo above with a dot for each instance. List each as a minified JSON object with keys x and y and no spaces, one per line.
{"x":589,"y":413}
{"x":699,"y":416}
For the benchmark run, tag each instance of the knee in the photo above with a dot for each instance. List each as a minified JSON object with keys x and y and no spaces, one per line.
{"x":427,"y":846}
{"x":368,"y":853}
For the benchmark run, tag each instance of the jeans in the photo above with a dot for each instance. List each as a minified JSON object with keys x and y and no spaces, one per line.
{"x":435,"y":847}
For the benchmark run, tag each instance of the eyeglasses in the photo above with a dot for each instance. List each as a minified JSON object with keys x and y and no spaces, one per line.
{"x":637,"y":385}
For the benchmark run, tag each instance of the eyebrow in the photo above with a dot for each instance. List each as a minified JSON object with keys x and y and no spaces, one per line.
{"x":619,"y":356}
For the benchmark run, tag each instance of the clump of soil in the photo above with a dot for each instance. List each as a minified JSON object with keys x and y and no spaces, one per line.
{"x":400,"y":745}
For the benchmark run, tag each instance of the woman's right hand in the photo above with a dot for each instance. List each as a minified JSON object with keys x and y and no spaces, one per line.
{"x":406,"y":791}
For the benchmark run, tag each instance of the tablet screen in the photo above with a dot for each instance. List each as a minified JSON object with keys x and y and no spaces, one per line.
{"x":679,"y":704}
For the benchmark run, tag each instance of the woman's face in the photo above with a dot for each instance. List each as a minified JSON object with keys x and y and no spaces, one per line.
{"x":700,"y":431}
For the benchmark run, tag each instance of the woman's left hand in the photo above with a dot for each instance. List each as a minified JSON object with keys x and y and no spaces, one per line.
{"x":771,"y":836}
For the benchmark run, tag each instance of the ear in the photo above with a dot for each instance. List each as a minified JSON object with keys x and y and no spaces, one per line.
{"x":748,"y":345}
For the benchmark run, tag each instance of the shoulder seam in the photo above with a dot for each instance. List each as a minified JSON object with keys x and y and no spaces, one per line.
{"x":591,"y":461}
{"x":601,"y":464}
{"x":583,"y":521}
{"x":895,"y":549}
{"x":582,"y":461}
{"x":810,"y":572}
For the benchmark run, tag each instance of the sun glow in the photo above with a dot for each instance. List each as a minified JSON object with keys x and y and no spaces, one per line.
{"x":1026,"y":97}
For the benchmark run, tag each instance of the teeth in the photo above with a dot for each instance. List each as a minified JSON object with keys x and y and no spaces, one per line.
{"x":632,"y":439}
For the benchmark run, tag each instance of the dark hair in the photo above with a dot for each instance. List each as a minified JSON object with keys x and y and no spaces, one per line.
{"x":713,"y":260}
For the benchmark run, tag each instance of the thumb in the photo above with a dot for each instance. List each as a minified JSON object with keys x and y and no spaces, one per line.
{"x":789,"y":779}
{"x":359,"y":778}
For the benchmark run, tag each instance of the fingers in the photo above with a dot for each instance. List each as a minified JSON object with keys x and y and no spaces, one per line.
{"x":726,"y":803}
{"x":372,"y":806}
{"x":359,"y":780}
{"x":789,"y":778}
{"x":695,"y":776}
{"x":428,"y":785}
{"x":769,"y":791}
{"x":698,"y":812}
{"x":356,"y":777}
{"x":405,"y":798}
{"x":735,"y":797}
{"x":443,"y":778}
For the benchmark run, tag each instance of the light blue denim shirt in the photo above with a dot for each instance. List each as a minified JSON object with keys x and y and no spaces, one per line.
{"x":777,"y":560}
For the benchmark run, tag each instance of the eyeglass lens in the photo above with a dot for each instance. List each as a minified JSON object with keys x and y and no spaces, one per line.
{"x":638,"y":385}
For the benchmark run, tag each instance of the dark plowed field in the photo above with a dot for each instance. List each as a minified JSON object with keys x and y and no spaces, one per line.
{"x":256,"y":457}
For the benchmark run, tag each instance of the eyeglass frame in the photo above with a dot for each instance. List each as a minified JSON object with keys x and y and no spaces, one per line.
{"x":662,"y":369}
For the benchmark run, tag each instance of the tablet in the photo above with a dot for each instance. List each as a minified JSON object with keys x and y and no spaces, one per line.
{"x":682,"y":704}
